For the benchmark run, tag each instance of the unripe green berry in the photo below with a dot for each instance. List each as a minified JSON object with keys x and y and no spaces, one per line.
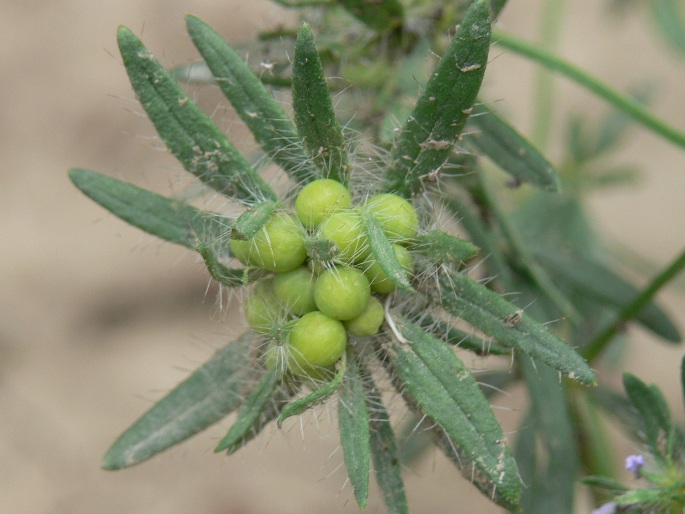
{"x":315,"y":341}
{"x":295,"y":290}
{"x":396,"y":216}
{"x":319,"y":199}
{"x":342,"y":293}
{"x":262,"y":310}
{"x":345,"y":229}
{"x":380,"y":283}
{"x":278,"y":246}
{"x":369,"y":321}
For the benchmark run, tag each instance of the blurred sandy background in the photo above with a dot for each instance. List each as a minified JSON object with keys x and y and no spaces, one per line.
{"x":97,"y":320}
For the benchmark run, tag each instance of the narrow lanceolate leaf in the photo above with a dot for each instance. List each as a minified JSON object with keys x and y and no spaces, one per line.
{"x":444,"y":389}
{"x":386,"y":462}
{"x":315,"y":398}
{"x":353,"y":422}
{"x":489,"y":312}
{"x":253,"y":219}
{"x":668,"y":15}
{"x":188,"y":132}
{"x":603,"y":284}
{"x":441,"y":247}
{"x":229,"y":277}
{"x":209,"y":394}
{"x":442,"y":110}
{"x":251,"y":412}
{"x":461,"y":339}
{"x":263,"y":115}
{"x":314,"y":113}
{"x":380,"y":15}
{"x":657,"y":427}
{"x":512,"y":152}
{"x":165,"y":218}
{"x":384,"y":253}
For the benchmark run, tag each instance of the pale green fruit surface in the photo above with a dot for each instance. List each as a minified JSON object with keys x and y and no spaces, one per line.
{"x":278,"y":246}
{"x":380,"y":283}
{"x":295,"y":290}
{"x":395,"y":215}
{"x":369,"y":321}
{"x":315,"y":341}
{"x":345,"y":229}
{"x":262,"y":309}
{"x":342,"y":293}
{"x":319,"y":199}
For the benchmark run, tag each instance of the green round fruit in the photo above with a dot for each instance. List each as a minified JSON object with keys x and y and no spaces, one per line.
{"x":342,"y":293}
{"x":395,"y":214}
{"x":315,"y":341}
{"x":345,"y":229}
{"x":369,"y":321}
{"x":278,"y":246}
{"x":380,"y":283}
{"x":295,"y":290}
{"x":319,"y":199}
{"x":262,"y":310}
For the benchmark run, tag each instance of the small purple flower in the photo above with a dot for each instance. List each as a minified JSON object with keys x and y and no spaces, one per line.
{"x":634,"y":464}
{"x":607,"y":508}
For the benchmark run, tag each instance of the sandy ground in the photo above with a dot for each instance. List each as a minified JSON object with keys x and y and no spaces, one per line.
{"x":97,"y":320}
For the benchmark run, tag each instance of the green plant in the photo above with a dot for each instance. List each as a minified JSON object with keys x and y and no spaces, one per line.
{"x":361,"y":217}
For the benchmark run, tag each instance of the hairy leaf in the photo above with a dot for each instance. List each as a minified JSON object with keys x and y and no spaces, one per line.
{"x":353,"y":423}
{"x":206,"y":396}
{"x":384,"y":253}
{"x":441,"y":247}
{"x":165,"y":218}
{"x":314,"y":113}
{"x":380,"y":15}
{"x":188,"y":132}
{"x":489,"y":312}
{"x":263,"y":115}
{"x":444,"y":106}
{"x":512,"y":152}
{"x":229,"y":277}
{"x":445,"y":390}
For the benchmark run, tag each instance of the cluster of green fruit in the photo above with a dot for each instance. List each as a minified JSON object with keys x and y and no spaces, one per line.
{"x":312,"y":302}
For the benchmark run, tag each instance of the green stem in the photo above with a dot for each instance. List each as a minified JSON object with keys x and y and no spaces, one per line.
{"x":622,"y":102}
{"x":552,"y":17}
{"x":595,"y":347}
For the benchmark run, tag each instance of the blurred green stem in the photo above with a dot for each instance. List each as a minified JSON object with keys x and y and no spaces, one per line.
{"x":552,"y":17}
{"x":597,"y":345}
{"x":629,"y":105}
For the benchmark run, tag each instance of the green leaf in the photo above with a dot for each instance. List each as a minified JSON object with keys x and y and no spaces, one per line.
{"x":512,"y":152}
{"x":229,"y":277}
{"x":592,"y":278}
{"x":441,"y":247}
{"x":445,"y":390}
{"x":551,"y":486}
{"x":263,"y":115}
{"x":461,"y":339}
{"x":668,"y":15}
{"x":251,"y":412}
{"x":167,"y":219}
{"x":384,"y":253}
{"x":314,"y":113}
{"x":379,"y":15}
{"x":353,"y":423}
{"x":657,"y":426}
{"x":386,"y":462}
{"x":605,"y":483}
{"x":253,"y":219}
{"x":189,"y":133}
{"x":322,"y":394}
{"x":441,"y":111}
{"x":210,"y":393}
{"x":491,"y":313}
